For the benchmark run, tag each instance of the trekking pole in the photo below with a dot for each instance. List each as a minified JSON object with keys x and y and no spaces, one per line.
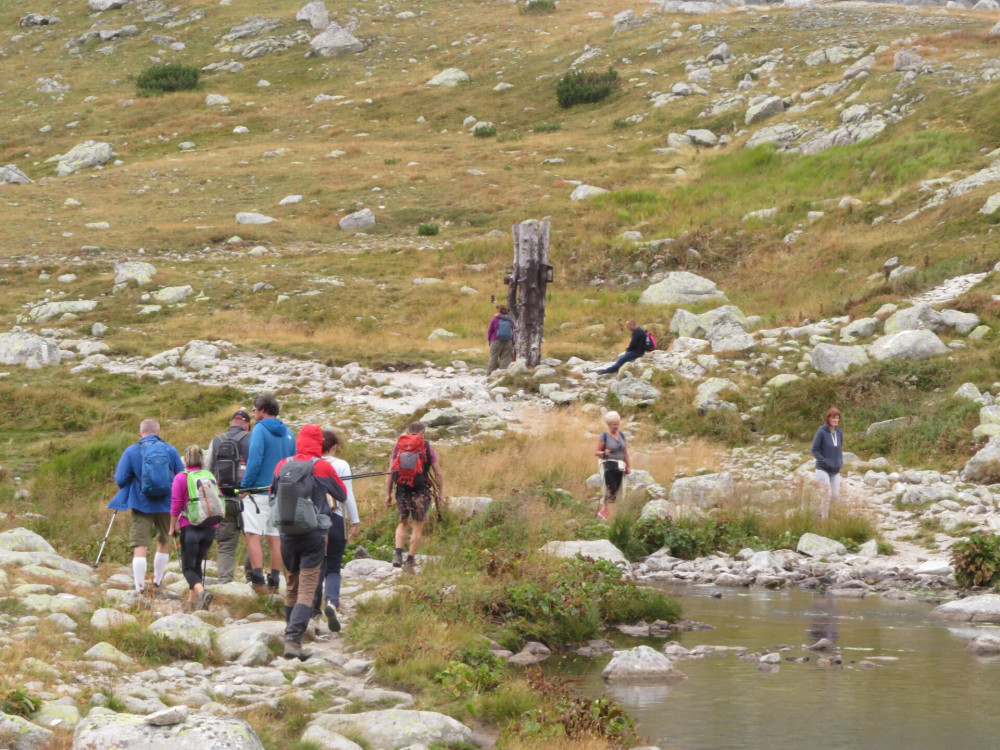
{"x":366,"y":475}
{"x":105,"y":540}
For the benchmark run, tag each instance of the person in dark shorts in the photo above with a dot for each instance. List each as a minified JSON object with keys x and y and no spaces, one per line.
{"x":413,"y":500}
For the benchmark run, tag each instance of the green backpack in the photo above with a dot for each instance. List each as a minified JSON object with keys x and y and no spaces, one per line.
{"x":206,"y":506}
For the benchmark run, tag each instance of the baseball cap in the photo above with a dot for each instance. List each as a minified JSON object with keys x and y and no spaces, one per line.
{"x":240,"y":416}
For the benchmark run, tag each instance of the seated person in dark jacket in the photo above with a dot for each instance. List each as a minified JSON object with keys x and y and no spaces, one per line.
{"x":636,"y":348}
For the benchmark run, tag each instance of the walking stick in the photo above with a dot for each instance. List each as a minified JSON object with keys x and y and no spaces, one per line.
{"x":105,"y":540}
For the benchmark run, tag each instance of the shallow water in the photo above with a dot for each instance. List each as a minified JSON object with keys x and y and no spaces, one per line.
{"x":934,"y":694}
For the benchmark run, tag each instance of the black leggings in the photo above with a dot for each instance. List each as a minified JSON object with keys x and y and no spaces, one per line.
{"x":195,"y":544}
{"x":612,"y":483}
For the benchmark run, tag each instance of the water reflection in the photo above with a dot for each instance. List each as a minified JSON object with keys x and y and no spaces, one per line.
{"x":919,"y":689}
{"x":639,"y":696}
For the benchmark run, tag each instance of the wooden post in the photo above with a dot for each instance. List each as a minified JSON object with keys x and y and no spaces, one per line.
{"x":526,"y":295}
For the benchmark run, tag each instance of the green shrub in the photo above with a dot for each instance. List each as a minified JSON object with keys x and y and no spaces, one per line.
{"x":621,"y":124}
{"x":16,"y":700}
{"x":977,"y":560}
{"x":170,"y":77}
{"x":585,"y":86}
{"x":428,"y":230}
{"x":547,"y":127}
{"x":486,"y":131}
{"x":476,"y":670}
{"x":538,"y":7}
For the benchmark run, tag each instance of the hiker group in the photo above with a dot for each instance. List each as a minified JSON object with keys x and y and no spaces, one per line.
{"x":291,"y":491}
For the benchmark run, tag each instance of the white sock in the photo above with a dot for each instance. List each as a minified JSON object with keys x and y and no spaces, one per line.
{"x":160,"y":561}
{"x":139,"y":572}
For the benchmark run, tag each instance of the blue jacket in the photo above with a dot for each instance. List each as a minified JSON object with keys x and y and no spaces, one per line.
{"x":270,"y":442}
{"x":829,"y":457}
{"x":128,"y":477}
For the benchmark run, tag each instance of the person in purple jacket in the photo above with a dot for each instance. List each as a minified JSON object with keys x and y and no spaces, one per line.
{"x":828,"y":450}
{"x":196,"y":541}
{"x":500,"y":335}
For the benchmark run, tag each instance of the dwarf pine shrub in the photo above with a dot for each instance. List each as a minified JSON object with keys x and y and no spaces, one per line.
{"x":538,"y":7}
{"x":585,"y":86}
{"x":977,"y":560}
{"x":428,"y":230}
{"x":170,"y":77}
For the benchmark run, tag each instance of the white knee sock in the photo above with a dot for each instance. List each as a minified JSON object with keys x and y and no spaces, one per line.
{"x":139,"y":572}
{"x":160,"y":561}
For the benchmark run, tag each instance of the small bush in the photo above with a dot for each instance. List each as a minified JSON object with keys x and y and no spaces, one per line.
{"x":977,"y":560}
{"x":486,"y":131}
{"x":428,"y":230}
{"x":538,"y":7}
{"x":547,"y":127}
{"x":584,"y":87}
{"x":621,"y":124}
{"x":170,"y":77}
{"x":16,"y":700}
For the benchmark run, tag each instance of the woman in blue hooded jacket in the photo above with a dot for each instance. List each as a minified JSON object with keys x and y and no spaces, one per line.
{"x":828,"y":450}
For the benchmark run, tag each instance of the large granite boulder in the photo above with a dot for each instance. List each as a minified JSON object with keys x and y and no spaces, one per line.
{"x":830,"y":359}
{"x":233,"y":640}
{"x":106,"y":730}
{"x":359,"y":221}
{"x":908,"y":345}
{"x":64,"y":309}
{"x":24,"y":540}
{"x":17,"y":733}
{"x":23,"y":348}
{"x":137,"y":272}
{"x":707,"y":396}
{"x":598,"y":549}
{"x":918,"y":317}
{"x":984,"y":608}
{"x":984,"y":467}
{"x":449,"y":78}
{"x":771,"y":106}
{"x":186,"y":628}
{"x":11,"y":175}
{"x":634,"y":392}
{"x":704,"y":491}
{"x":640,"y":664}
{"x":315,"y":15}
{"x":335,"y":40}
{"x":681,"y":288}
{"x":86,"y":154}
{"x":394,"y":728}
{"x":856,"y":330}
{"x":815,"y":545}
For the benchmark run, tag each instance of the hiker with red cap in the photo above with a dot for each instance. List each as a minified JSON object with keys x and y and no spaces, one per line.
{"x":301,"y":513}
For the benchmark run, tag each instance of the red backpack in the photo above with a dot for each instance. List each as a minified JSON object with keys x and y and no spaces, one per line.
{"x":410,"y":461}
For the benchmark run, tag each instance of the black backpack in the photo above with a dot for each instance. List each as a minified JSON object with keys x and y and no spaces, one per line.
{"x":228,"y":463}
{"x":293,"y":510}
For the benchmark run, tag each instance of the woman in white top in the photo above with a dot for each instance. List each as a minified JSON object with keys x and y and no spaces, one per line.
{"x":336,"y":541}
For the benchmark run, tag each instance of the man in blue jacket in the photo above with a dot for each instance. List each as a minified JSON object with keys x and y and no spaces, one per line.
{"x":148,"y":500}
{"x":270,"y":442}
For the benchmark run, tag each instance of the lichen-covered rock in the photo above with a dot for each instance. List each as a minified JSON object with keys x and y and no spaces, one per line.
{"x":984,"y":608}
{"x":830,"y":359}
{"x":107,"y":619}
{"x":86,"y":154}
{"x":702,"y":491}
{"x":640,"y":664}
{"x":681,"y":288}
{"x":598,"y":549}
{"x":182,"y":627}
{"x":107,"y":730}
{"x":908,"y":345}
{"x":815,"y":545}
{"x":135,"y":271}
{"x":335,"y":40}
{"x":449,"y":78}
{"x":106,"y":652}
{"x":20,"y":734}
{"x":395,"y":727}
{"x":359,"y":221}
{"x":984,"y":467}
{"x":635,"y":392}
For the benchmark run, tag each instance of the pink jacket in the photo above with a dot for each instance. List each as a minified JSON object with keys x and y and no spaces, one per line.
{"x":179,"y":498}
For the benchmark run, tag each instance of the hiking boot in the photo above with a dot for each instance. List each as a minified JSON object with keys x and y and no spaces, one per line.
{"x":204,"y":600}
{"x":397,"y":559}
{"x":411,"y":564}
{"x":331,"y":618}
{"x":273,"y":583}
{"x":295,"y":651}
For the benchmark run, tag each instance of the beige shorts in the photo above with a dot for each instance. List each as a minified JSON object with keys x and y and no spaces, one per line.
{"x":257,"y":516}
{"x":144,"y":524}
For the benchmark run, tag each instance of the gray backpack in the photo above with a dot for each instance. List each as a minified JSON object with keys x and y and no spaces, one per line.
{"x":292,"y":508}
